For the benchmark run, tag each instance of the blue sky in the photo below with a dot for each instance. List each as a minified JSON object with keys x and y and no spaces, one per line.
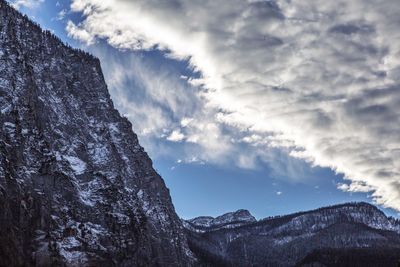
{"x":231,"y":121}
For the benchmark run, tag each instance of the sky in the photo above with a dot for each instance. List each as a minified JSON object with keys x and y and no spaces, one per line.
{"x":271,"y":106}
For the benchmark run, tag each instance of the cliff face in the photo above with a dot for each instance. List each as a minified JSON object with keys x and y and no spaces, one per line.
{"x":76,"y":188}
{"x":354,"y":234}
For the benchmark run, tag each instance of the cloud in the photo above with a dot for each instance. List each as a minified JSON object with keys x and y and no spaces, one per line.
{"x":61,"y":15}
{"x":176,"y":136}
{"x":355,"y":187}
{"x":186,"y":122}
{"x":316,"y":78}
{"x":79,"y":33}
{"x":26,"y":3}
{"x":162,"y":106}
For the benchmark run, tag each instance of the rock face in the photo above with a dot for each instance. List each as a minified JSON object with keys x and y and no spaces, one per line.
{"x":354,"y":234}
{"x":76,"y":188}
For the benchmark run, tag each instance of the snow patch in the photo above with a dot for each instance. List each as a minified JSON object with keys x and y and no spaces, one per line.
{"x":77,"y":165}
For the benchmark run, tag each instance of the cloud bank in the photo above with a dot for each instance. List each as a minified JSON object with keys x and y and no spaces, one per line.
{"x":317,"y":78}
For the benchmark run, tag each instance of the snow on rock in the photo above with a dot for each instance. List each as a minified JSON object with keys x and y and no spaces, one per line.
{"x":78,"y":165}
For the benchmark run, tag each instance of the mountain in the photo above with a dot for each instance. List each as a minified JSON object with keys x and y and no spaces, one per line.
{"x":76,"y":187}
{"x":228,"y":220}
{"x":352,"y":234}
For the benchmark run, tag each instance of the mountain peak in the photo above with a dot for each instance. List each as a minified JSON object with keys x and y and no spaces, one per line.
{"x":235,"y":218}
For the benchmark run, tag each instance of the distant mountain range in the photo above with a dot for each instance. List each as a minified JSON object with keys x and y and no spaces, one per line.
{"x":353,"y":234}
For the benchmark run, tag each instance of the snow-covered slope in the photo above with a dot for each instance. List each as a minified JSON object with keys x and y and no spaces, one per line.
{"x":76,"y":187}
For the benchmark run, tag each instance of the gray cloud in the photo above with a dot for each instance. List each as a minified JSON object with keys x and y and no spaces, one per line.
{"x":317,"y":78}
{"x":352,"y":29}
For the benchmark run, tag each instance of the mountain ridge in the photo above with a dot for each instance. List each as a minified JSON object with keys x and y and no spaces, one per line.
{"x":298,"y":238}
{"x":197,"y":221}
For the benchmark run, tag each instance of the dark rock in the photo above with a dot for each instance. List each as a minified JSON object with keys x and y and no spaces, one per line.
{"x":76,"y":188}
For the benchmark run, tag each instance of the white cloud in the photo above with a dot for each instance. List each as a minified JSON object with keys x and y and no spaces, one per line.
{"x":355,"y":187}
{"x":61,"y":15}
{"x":176,"y":136}
{"x":157,"y":102}
{"x":26,"y":3}
{"x":186,"y":121}
{"x":79,"y":33}
{"x":318,"y":78}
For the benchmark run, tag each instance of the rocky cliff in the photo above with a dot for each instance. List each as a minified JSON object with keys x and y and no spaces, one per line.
{"x":76,"y":188}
